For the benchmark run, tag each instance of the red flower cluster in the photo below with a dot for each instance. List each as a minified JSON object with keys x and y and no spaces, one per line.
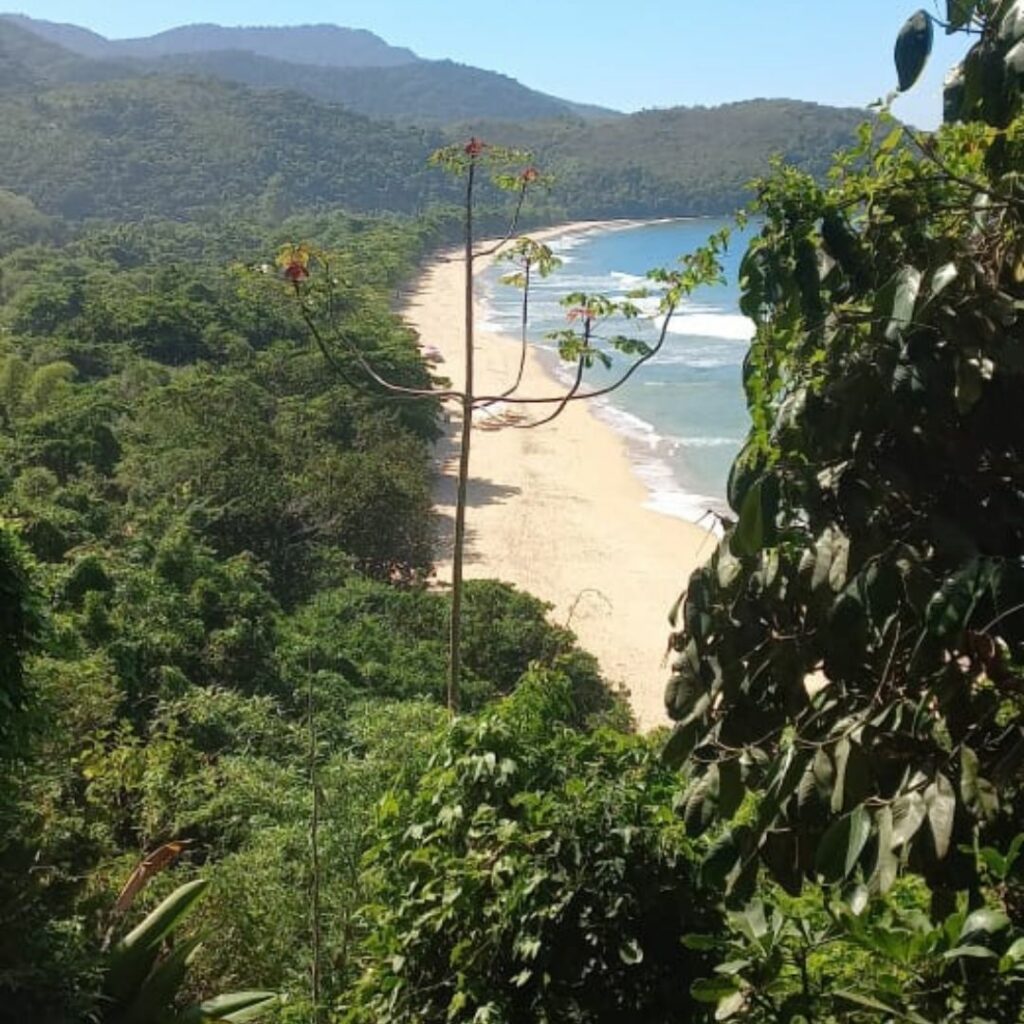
{"x":475,"y":147}
{"x":579,"y":313}
{"x":530,"y":175}
{"x":296,"y":272}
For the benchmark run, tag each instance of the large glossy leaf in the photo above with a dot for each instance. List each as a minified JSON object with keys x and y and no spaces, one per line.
{"x":842,"y":845}
{"x":159,"y":992}
{"x":913,"y":47}
{"x":681,"y":743}
{"x":831,"y":559}
{"x":748,"y":536}
{"x":940,"y":801}
{"x":730,"y":787}
{"x":985,"y":921}
{"x":132,"y":958}
{"x":907,"y":287}
{"x":1011,"y":27}
{"x":908,"y":815}
{"x":233,"y":1007}
{"x":886,"y":865}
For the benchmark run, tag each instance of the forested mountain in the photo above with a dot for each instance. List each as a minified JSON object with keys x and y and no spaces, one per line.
{"x":326,"y":45}
{"x":29,"y":61}
{"x":176,"y":147}
{"x":683,"y":160}
{"x":327,"y":63}
{"x":422,"y":92}
{"x":122,"y":144}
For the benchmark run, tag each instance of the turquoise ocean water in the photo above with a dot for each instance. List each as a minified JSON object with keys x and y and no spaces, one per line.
{"x":682,"y":415}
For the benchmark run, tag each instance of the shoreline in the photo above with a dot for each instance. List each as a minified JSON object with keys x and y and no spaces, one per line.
{"x":559,"y":511}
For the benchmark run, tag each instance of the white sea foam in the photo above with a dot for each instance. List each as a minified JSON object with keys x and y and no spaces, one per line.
{"x":648,"y":450}
{"x":656,"y":458}
{"x":729,"y":326}
{"x":628,"y":281}
{"x":707,"y":442}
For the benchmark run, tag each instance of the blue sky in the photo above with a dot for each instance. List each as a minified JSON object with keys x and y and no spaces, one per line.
{"x":627,"y":54}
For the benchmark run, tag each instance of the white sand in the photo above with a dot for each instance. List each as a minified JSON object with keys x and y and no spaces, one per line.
{"x":558,"y":510}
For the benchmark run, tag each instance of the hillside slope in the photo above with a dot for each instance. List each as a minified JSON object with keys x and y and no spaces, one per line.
{"x":327,"y":63}
{"x":679,"y":161}
{"x":93,"y":138}
{"x":326,"y":45}
{"x":424,"y":92}
{"x":161,"y":146}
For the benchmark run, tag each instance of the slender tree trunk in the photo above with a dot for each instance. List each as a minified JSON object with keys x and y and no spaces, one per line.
{"x":314,"y":844}
{"x":455,"y":637}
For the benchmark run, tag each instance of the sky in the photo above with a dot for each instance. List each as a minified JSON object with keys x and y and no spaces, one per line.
{"x":625,"y":54}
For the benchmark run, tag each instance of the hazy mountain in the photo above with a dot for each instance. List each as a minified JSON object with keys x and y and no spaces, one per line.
{"x":100,"y":138}
{"x":425,"y":92}
{"x":325,"y":45}
{"x":329,"y":64}
{"x":28,"y":61}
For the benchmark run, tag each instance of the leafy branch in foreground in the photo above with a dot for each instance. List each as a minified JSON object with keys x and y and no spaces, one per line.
{"x":146,"y":969}
{"x":319,"y":297}
{"x":849,"y":668}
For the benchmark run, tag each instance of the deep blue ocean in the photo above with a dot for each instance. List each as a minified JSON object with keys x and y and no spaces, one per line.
{"x":683,"y":413}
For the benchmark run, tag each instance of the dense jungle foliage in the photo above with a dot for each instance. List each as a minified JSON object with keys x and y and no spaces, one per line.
{"x":228,"y":788}
{"x":205,"y":536}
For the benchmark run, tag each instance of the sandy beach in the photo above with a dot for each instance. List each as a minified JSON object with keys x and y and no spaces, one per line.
{"x":558,"y":511}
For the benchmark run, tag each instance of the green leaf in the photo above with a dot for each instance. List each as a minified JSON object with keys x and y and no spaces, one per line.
{"x":748,"y":535}
{"x":681,"y":743}
{"x":876,"y":1004}
{"x":711,"y":990}
{"x":750,"y":921}
{"x":985,"y":921}
{"x":702,"y":802}
{"x":907,"y":287}
{"x":973,"y":952}
{"x":942,"y":279}
{"x":233,"y":1007}
{"x":131,"y":958}
{"x":831,"y":559}
{"x":940,"y":802}
{"x":1014,"y":60}
{"x":701,"y":942}
{"x":730,"y":787}
{"x":1016,"y":952}
{"x":857,"y":899}
{"x":887,"y":865}
{"x":958,"y":14}
{"x":730,"y":1006}
{"x":842,"y":845}
{"x":913,"y":47}
{"x":631,"y":953}
{"x":980,"y":797}
{"x":1011,"y":27}
{"x":908,"y":814}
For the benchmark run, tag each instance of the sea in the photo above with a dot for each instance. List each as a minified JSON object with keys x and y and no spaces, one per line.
{"x":682,"y":415}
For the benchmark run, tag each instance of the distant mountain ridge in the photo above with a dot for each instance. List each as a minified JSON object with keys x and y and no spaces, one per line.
{"x":323,"y":45}
{"x":128,"y":139}
{"x":328,"y":63}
